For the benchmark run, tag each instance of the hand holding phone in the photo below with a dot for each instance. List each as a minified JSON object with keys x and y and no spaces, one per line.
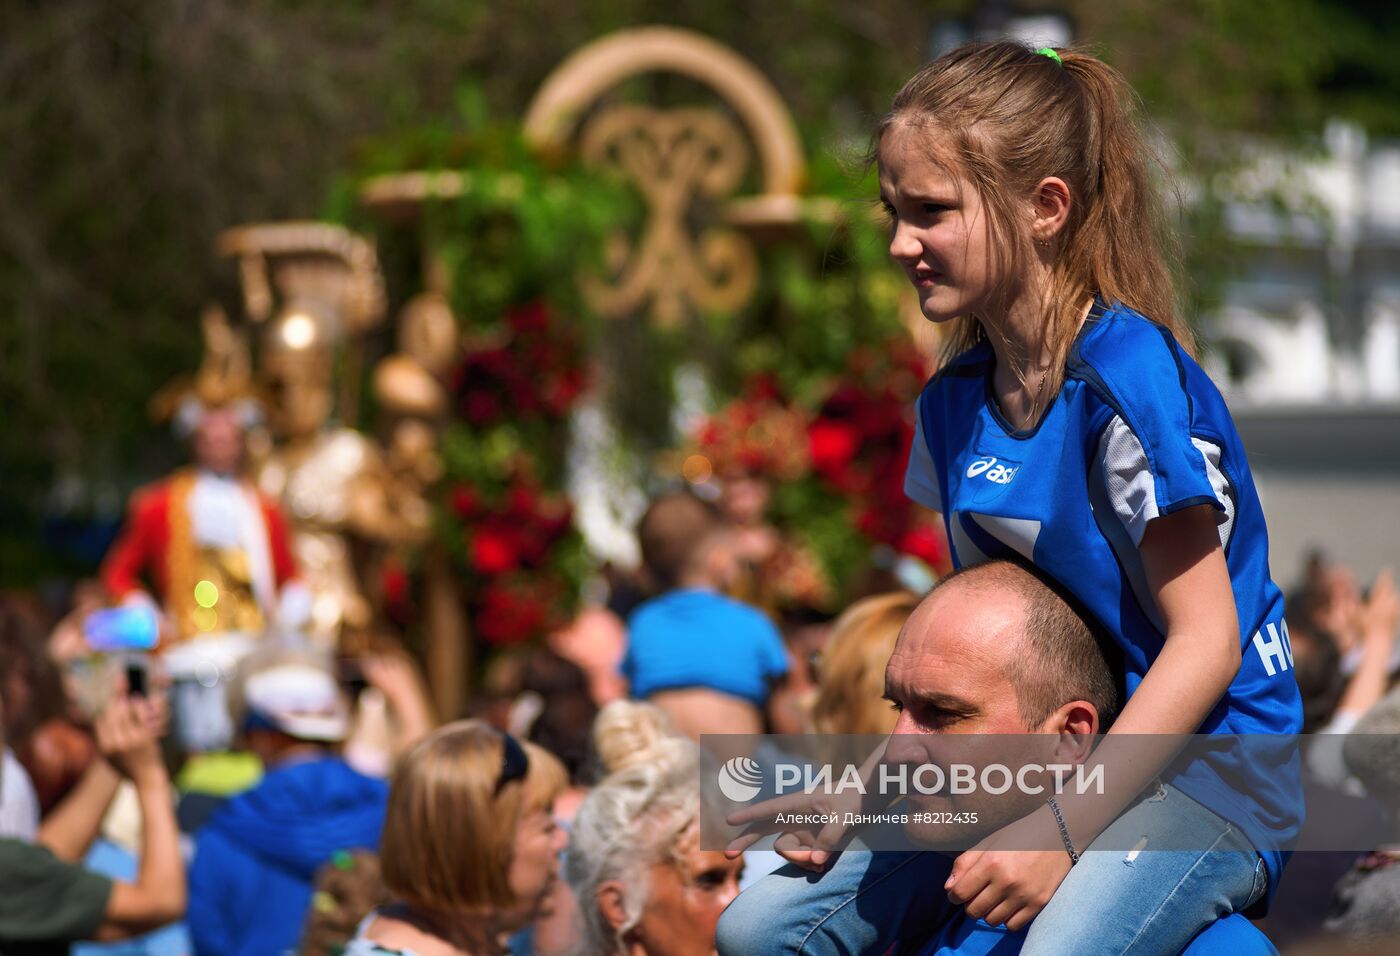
{"x":136,"y":683}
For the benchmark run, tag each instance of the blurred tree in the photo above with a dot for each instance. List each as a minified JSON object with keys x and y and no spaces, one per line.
{"x":134,"y":132}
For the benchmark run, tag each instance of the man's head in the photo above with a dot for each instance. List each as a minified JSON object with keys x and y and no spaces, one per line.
{"x":287,"y":699}
{"x":996,"y":649}
{"x":1317,"y":665}
{"x":218,"y":439}
{"x":679,"y":536}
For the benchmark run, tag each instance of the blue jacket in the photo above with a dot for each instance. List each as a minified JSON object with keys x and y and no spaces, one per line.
{"x":250,"y":882}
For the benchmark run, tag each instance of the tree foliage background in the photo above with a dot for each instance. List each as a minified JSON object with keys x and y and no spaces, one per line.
{"x":134,"y":132}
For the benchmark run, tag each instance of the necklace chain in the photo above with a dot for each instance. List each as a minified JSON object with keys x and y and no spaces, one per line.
{"x":1035,"y":406}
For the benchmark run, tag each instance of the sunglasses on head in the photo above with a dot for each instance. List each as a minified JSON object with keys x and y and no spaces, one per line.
{"x":514,"y":763}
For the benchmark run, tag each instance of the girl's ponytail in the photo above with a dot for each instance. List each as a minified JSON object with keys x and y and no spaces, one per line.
{"x":1124,"y":238}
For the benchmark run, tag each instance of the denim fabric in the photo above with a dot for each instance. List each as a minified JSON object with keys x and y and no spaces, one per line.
{"x":1146,"y":903}
{"x":1152,"y":903}
{"x":863,"y":903}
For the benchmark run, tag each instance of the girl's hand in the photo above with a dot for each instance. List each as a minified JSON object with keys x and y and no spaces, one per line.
{"x":1380,"y":612}
{"x":1004,"y":882}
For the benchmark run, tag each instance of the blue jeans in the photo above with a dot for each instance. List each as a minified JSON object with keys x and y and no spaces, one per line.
{"x":1113,"y":902}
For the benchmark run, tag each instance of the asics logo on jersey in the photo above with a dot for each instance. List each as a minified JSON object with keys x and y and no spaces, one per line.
{"x":1000,"y":474}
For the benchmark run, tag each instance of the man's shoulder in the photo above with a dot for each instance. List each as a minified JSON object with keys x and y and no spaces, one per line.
{"x":298,"y":778}
{"x":716,"y":602}
{"x":697,"y":604}
{"x":261,"y":822}
{"x":151,"y":500}
{"x":39,"y":890}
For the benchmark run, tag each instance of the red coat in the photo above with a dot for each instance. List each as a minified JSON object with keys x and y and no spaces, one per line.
{"x":143,"y":548}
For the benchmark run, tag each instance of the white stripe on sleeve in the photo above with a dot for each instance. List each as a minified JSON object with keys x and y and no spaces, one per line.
{"x":921,"y":478}
{"x":1128,"y":479}
{"x":1132,"y":491}
{"x":1224,"y":491}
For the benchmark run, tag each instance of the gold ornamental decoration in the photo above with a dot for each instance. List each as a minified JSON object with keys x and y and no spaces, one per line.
{"x":677,"y":159}
{"x":315,"y":260}
{"x":673,"y":157}
{"x":314,"y":289}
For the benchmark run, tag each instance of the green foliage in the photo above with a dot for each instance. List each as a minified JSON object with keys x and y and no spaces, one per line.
{"x":823,"y":297}
{"x":822,"y":519}
{"x":511,"y":248}
{"x":135,"y":132}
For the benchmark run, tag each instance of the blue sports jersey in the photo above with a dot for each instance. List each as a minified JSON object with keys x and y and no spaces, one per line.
{"x":1137,"y":430}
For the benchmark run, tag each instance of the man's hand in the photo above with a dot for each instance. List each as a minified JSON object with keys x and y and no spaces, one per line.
{"x":1380,"y":612}
{"x":1002,"y":880}
{"x":808,"y":845}
{"x":396,"y":677}
{"x":128,"y":734}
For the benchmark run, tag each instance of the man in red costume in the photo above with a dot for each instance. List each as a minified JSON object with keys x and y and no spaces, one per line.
{"x":217,"y":556}
{"x":215,"y":549}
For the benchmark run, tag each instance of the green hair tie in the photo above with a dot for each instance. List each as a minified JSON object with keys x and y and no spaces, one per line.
{"x":1046,"y":51}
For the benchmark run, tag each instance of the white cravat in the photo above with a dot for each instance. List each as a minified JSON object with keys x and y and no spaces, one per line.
{"x":218,"y":510}
{"x":224,"y":513}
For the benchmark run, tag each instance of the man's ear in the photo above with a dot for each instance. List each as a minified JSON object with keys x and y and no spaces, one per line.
{"x":1051,"y":204}
{"x":1076,"y":723}
{"x":612,"y":903}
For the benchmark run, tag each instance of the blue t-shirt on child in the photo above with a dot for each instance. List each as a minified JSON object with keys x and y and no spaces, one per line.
{"x":698,"y":638}
{"x":1138,"y":430}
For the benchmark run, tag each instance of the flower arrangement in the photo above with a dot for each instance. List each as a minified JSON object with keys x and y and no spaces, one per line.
{"x":837,"y":471}
{"x":506,"y":248}
{"x":504,"y":518}
{"x":859,"y":445}
{"x":758,"y":433}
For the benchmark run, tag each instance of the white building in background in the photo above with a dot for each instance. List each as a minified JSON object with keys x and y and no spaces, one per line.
{"x":1306,"y":347}
{"x":1314,"y":316}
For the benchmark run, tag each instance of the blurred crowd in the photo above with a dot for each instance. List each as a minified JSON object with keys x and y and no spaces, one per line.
{"x":561,"y":813}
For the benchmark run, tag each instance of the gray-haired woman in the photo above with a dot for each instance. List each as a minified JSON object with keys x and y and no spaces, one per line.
{"x":643,"y":884}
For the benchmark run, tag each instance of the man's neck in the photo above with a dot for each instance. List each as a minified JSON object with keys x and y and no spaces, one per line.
{"x":292,"y":754}
{"x":697,"y":582}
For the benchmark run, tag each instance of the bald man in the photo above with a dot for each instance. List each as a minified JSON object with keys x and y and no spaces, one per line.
{"x":995,"y":649}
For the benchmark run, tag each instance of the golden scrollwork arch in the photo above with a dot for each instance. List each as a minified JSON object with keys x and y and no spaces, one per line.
{"x":674,"y":158}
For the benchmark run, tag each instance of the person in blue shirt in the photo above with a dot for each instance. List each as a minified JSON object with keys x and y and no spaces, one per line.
{"x":710,"y":662}
{"x":250,"y":883}
{"x":1071,"y":427}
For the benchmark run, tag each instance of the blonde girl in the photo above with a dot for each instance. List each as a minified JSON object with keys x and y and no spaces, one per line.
{"x":1070,"y":427}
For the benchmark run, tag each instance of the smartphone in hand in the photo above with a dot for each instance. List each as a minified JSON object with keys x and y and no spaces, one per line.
{"x":136,"y":677}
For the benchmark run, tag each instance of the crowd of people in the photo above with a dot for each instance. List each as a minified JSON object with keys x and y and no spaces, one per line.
{"x":1112,"y":595}
{"x":565,"y":817}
